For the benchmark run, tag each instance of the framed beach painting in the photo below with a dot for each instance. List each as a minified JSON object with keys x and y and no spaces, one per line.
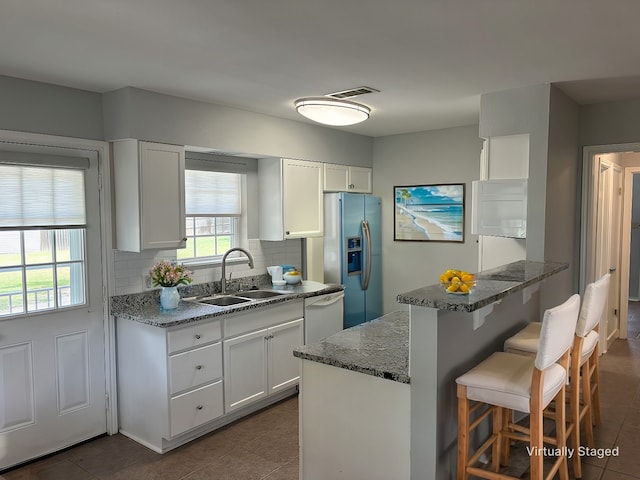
{"x":429,"y":213}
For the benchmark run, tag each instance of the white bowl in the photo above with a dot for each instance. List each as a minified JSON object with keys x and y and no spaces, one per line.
{"x":292,"y":279}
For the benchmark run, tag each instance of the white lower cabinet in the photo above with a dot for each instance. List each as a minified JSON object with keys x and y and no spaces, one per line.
{"x":194,"y":408}
{"x":245,"y":369}
{"x":195,"y":367}
{"x":283,"y":368}
{"x":175,"y":384}
{"x":261,"y":362}
{"x":169,"y":380}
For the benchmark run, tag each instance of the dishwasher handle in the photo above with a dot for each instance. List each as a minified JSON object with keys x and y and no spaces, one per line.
{"x":329,"y":300}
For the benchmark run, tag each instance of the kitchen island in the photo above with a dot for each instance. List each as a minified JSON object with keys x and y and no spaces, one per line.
{"x":363,"y":415}
{"x":354,"y":402}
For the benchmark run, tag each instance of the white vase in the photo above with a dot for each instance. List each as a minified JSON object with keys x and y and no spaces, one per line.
{"x":169,"y":298}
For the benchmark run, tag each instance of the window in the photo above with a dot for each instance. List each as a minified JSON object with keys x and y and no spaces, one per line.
{"x":42,"y":239}
{"x":213,"y":205}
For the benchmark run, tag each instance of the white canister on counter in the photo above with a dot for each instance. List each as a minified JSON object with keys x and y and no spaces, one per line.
{"x":276,"y":274}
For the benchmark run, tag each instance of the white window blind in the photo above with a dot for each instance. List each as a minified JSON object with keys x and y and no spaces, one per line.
{"x":212,"y":193}
{"x":41,"y":197}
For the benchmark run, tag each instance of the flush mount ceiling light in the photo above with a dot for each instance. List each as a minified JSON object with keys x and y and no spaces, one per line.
{"x":332,"y":111}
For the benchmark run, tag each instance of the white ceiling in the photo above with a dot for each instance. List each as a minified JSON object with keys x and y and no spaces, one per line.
{"x":430,"y":59}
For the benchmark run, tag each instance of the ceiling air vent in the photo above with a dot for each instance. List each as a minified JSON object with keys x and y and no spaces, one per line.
{"x":352,"y":92}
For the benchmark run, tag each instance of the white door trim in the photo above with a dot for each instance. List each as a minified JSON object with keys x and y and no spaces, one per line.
{"x":588,"y":223}
{"x":626,"y":248}
{"x":102,"y":150}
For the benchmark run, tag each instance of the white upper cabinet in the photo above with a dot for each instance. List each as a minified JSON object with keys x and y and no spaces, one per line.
{"x":149,"y":195}
{"x":499,"y":203}
{"x":291,"y":204}
{"x":499,"y":208}
{"x":360,"y":180}
{"x":346,"y":178}
{"x":336,"y":177}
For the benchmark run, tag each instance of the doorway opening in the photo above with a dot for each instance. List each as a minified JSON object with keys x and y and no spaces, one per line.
{"x":607,"y":201}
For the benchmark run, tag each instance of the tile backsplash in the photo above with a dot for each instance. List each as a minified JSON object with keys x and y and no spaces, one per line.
{"x":132,"y":269}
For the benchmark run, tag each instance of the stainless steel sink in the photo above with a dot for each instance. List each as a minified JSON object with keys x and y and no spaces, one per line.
{"x":259,"y":294}
{"x":235,"y":299}
{"x":223,"y":301}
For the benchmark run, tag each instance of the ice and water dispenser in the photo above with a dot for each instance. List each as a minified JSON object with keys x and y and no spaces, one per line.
{"x":354,"y":255}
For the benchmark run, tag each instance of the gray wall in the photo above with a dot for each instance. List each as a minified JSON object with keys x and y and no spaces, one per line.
{"x":134,"y":113}
{"x":562,"y":214}
{"x":439,"y":156}
{"x":610,"y":123}
{"x":36,"y":107}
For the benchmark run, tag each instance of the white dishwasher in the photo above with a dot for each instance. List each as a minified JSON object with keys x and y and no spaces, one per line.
{"x":322,"y":316}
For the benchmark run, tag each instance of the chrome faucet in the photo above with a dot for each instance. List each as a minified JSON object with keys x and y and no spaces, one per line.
{"x":223,"y":281}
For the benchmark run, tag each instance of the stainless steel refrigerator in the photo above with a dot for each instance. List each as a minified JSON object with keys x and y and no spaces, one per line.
{"x":352,"y":253}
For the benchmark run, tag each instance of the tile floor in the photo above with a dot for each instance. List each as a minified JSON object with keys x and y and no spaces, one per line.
{"x":262,"y":446}
{"x":265,"y":445}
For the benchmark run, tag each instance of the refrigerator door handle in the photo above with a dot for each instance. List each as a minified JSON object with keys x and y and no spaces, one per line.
{"x":366,"y":275}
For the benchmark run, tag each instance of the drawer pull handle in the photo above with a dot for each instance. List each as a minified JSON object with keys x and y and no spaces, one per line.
{"x":198,"y":336}
{"x":200,"y":407}
{"x":199,"y":367}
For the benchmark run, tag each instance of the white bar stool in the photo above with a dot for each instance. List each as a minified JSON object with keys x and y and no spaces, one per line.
{"x":584,"y":365}
{"x":505,"y":382}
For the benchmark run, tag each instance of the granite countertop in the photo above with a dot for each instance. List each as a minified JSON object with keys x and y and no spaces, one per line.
{"x":145,"y":307}
{"x":379,"y":348}
{"x":491,"y":285}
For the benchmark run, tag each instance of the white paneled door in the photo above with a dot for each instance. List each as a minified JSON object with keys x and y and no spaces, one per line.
{"x":52,"y":359}
{"x":608,"y":246}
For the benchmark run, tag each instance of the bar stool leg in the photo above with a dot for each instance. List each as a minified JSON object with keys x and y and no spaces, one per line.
{"x":536,"y":418}
{"x":588,"y":405}
{"x":561,"y":435}
{"x":507,"y":416}
{"x":497,"y":417}
{"x":463,"y":432}
{"x":595,"y":394}
{"x":574,"y":406}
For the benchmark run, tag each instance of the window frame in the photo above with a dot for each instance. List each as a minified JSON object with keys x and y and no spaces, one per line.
{"x":54,"y":263}
{"x":53,"y":224}
{"x":208,"y":259}
{"x":216,"y":163}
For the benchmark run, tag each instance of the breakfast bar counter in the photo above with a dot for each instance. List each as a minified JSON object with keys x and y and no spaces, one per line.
{"x":452,"y":333}
{"x":492,"y":286}
{"x":378,"y":401}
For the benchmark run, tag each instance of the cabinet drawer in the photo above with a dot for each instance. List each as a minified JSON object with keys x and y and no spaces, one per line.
{"x":195,"y":367}
{"x":194,"y":408}
{"x":248,"y":321}
{"x":193,"y":336}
